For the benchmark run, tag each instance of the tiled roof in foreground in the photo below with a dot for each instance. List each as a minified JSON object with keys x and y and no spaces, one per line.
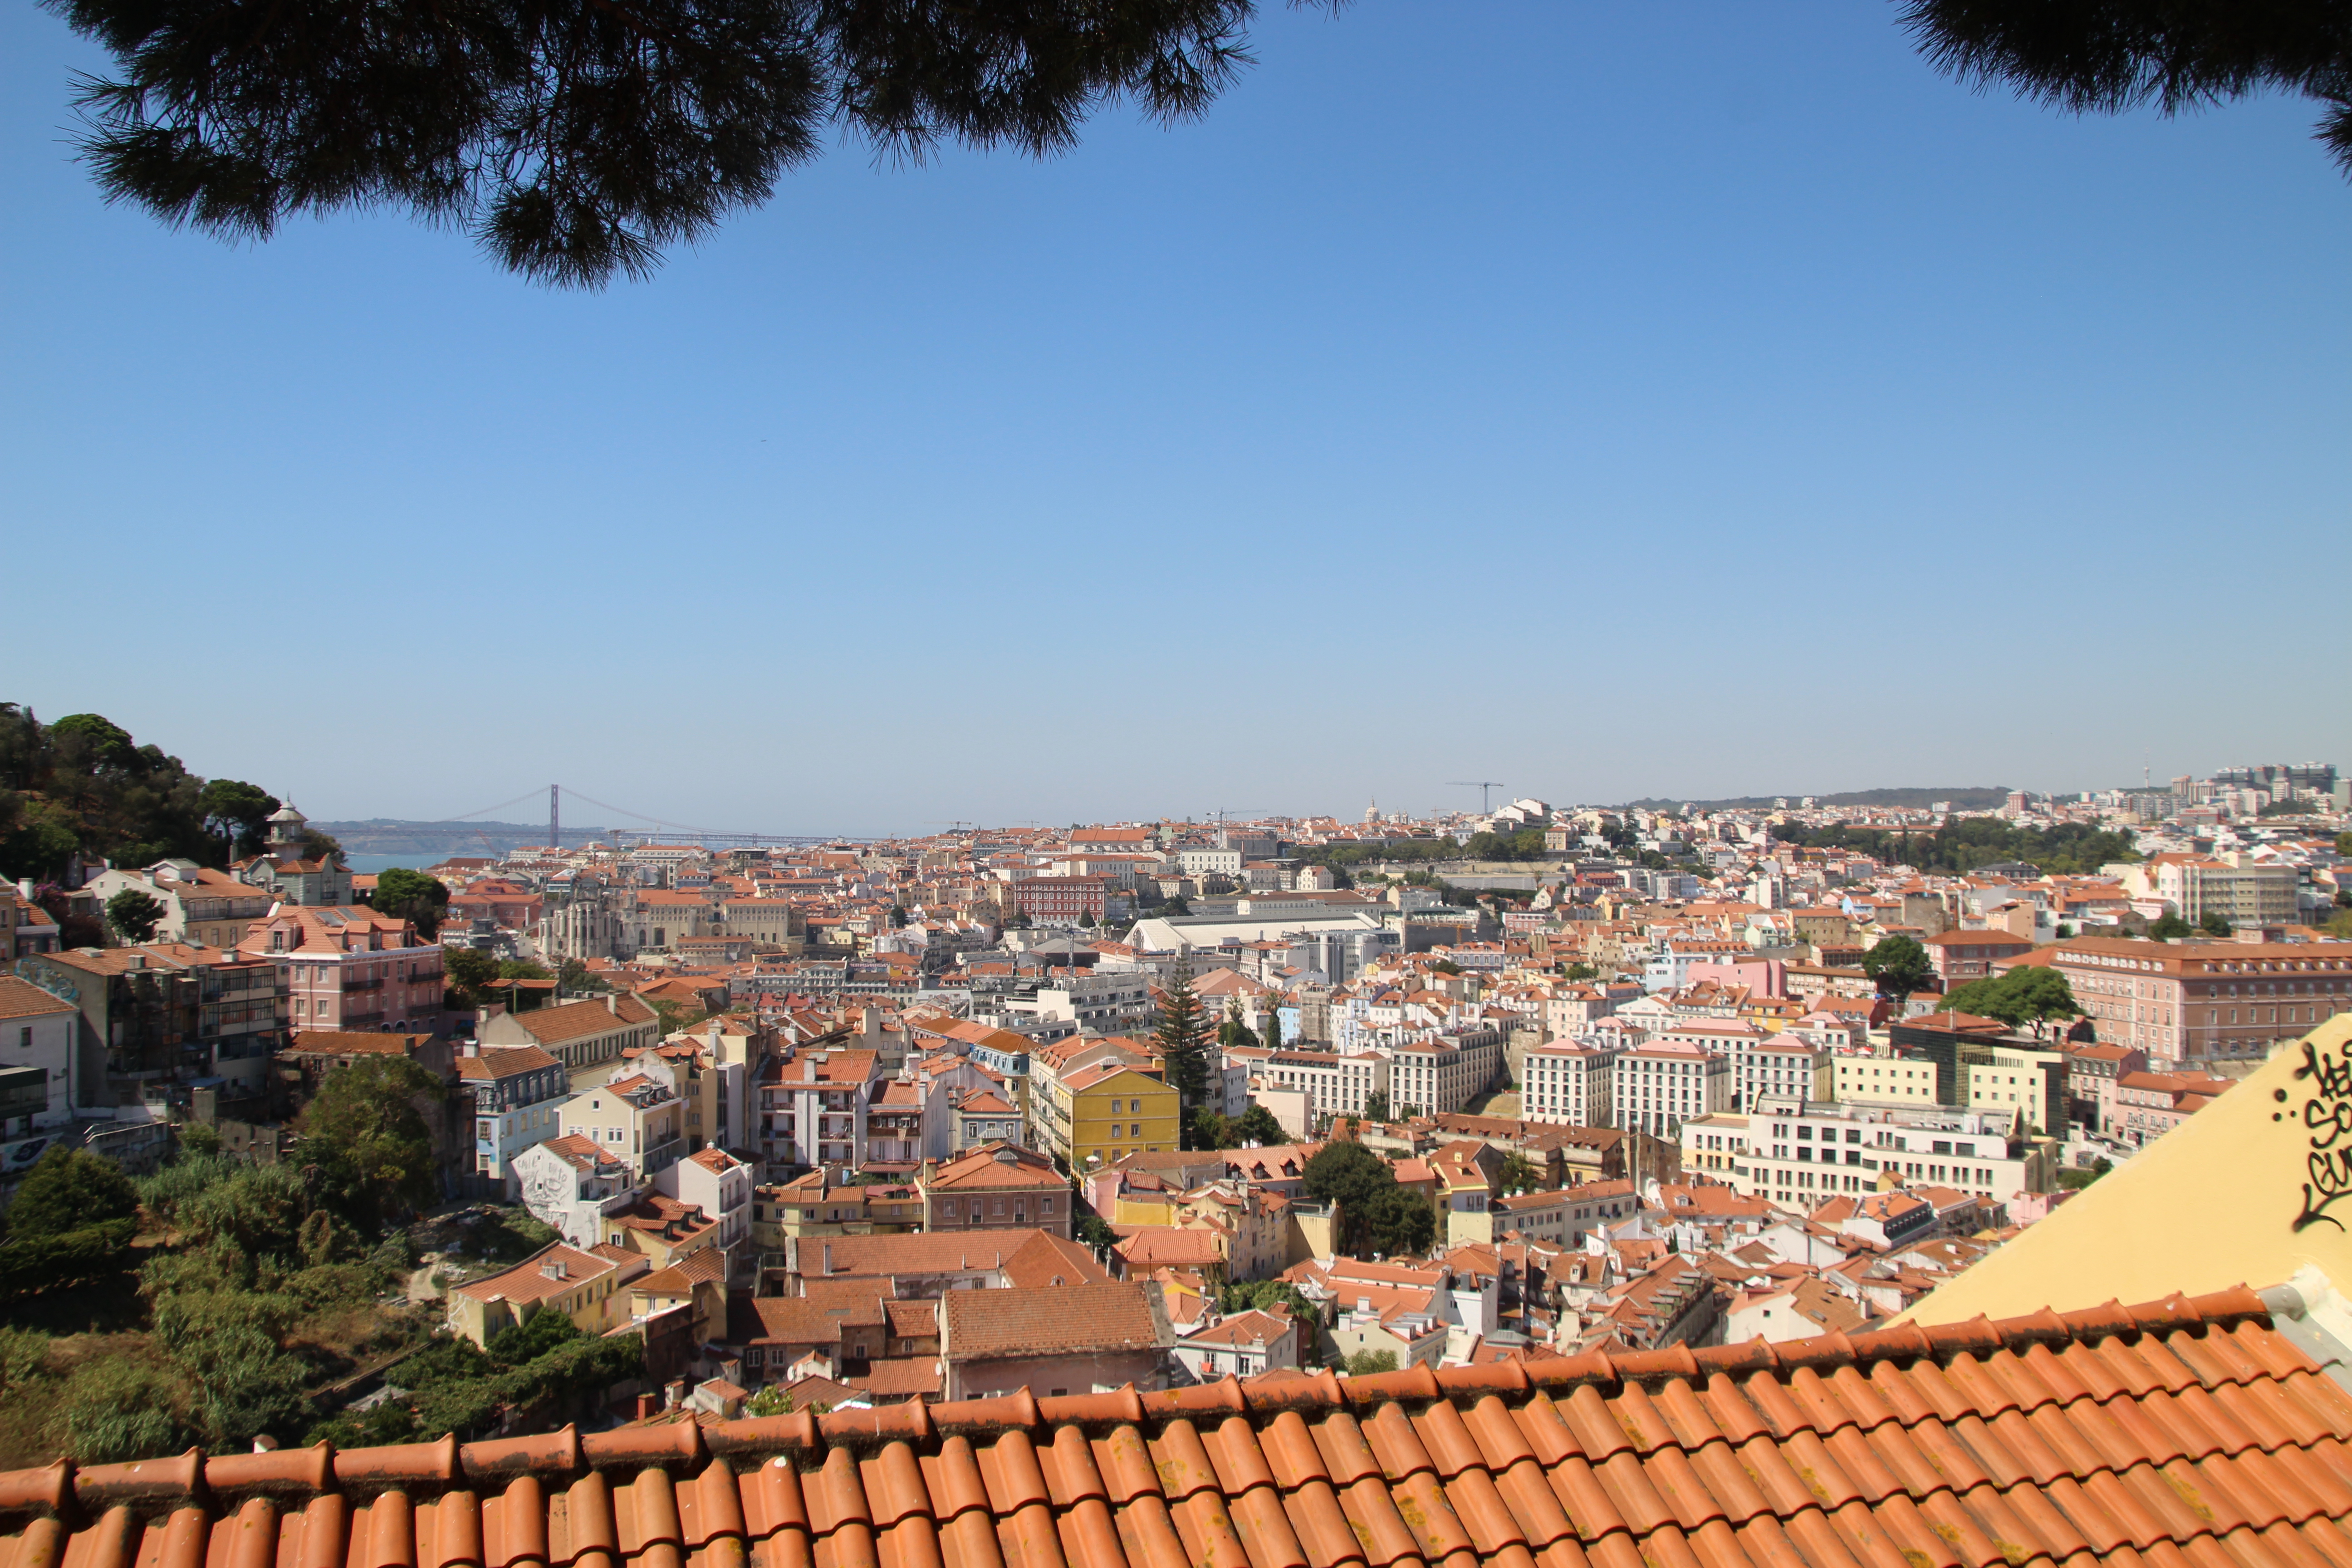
{"x":2187,"y":1433}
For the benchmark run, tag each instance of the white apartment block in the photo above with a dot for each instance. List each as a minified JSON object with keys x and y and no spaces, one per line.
{"x":1659,"y":1085}
{"x":1335,"y":1085}
{"x":1799,"y":1152}
{"x":1568,"y":1083}
{"x":1780,"y":1065}
{"x":1444,"y":1072}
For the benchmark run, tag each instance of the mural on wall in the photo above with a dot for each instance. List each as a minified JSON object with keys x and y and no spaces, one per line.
{"x":2327,"y":1120}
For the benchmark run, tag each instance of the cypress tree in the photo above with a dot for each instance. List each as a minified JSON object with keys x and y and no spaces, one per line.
{"x":1183,"y":1039}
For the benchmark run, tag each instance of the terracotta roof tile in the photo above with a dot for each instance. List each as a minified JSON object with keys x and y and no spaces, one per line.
{"x":2179,"y":1435}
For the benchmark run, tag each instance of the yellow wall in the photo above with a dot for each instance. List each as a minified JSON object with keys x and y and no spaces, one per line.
{"x":2213,"y":1203}
{"x":1883,"y":1080}
{"x":1092,"y":1119}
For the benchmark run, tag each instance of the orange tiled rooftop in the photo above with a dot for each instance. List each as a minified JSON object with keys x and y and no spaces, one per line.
{"x":2183,"y":1433}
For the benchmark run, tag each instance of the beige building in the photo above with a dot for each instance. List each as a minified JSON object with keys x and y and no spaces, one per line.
{"x":201,"y":906}
{"x":588,"y":1285}
{"x":2196,"y":886}
{"x":634,"y":1119}
{"x":578,"y":1034}
{"x":1883,"y":1080}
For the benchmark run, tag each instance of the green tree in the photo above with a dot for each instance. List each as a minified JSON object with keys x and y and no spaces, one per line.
{"x":1256,"y":1125}
{"x":1231,"y":1030}
{"x":2031,"y":993}
{"x":1270,"y":1029}
{"x":70,"y":1190}
{"x":1264,"y":1295}
{"x":468,"y":971}
{"x":576,"y":140}
{"x":134,"y":914}
{"x":1898,"y":966}
{"x":1399,"y":1223}
{"x":1376,"y":1106}
{"x":574,"y":977}
{"x":1582,"y":972}
{"x":1183,"y":1039}
{"x":1364,"y":1363}
{"x":2169,"y":927}
{"x":364,"y":1132}
{"x":1519,"y":1173}
{"x":1093,"y":1230}
{"x":2212,"y":923}
{"x":94,"y":743}
{"x":1375,"y":1214}
{"x":237,"y":814}
{"x":414,"y":896}
{"x":1209,"y":1130}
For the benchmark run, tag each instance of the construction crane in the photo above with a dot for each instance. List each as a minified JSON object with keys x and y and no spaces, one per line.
{"x":1486,"y":801}
{"x":956,"y":823}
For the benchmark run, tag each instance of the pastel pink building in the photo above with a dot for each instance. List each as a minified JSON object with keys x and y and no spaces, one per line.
{"x":345,"y":967}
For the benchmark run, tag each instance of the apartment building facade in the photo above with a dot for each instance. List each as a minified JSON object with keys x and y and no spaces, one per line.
{"x":1797,"y":1152}
{"x":2208,"y":1006}
{"x":1661,"y":1084}
{"x":1570,"y":1083}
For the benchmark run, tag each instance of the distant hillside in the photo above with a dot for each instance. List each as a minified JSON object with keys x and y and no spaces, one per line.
{"x":1969,"y":797}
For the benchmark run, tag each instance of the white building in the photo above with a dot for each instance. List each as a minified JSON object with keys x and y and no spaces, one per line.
{"x":572,"y":1184}
{"x":1659,"y":1085}
{"x":1243,"y":1345}
{"x":1570,"y":1082}
{"x":719,"y":1186}
{"x":1799,"y":1152}
{"x":1444,"y":1072}
{"x":36,"y":1057}
{"x":1335,"y":1085}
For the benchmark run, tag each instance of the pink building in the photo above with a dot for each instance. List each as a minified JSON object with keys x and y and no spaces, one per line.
{"x":343,"y":967}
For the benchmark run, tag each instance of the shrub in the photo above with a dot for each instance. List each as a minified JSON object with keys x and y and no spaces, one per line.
{"x":119,"y":1408}
{"x":70,"y":1190}
{"x":46,"y":1262}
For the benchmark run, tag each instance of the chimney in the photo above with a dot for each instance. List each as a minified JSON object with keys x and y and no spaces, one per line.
{"x":828,"y":1260}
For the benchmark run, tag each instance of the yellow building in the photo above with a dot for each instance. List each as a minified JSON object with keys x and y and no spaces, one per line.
{"x":1116,"y":1111}
{"x":589,"y":1286}
{"x":634,"y":1118}
{"x":1883,"y":1080}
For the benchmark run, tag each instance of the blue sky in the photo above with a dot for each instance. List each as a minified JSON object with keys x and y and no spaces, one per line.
{"x":1610,"y":401}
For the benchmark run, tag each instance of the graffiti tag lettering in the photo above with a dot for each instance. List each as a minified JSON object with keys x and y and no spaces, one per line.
{"x":2327,"y":1120}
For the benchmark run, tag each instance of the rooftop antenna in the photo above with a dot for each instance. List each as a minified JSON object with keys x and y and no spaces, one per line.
{"x":1484,"y":787}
